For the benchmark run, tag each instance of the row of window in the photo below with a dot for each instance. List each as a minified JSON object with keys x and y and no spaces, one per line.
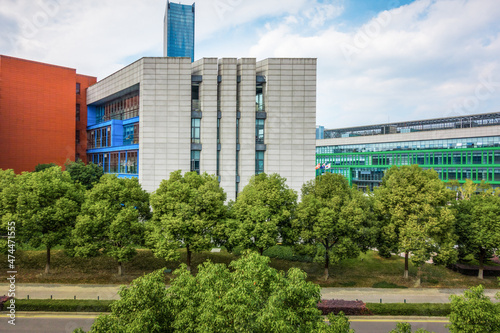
{"x":125,"y":107}
{"x":99,"y":138}
{"x":445,"y":174}
{"x":469,"y":157}
{"x":480,"y":142}
{"x":131,"y":134}
{"x":124,"y":162}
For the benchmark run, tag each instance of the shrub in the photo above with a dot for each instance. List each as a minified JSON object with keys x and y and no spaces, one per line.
{"x":63,"y":305}
{"x":349,"y":308}
{"x":409,"y":309}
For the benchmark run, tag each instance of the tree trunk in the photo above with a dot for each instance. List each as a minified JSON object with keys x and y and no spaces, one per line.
{"x":47,"y":265}
{"x":406,"y":265}
{"x":327,"y":263}
{"x":120,"y":272}
{"x":261,"y":251}
{"x":188,"y":258}
{"x":419,"y":276}
{"x":481,"y":265}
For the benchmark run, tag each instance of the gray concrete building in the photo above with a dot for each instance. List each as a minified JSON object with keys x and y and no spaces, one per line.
{"x":230,"y":117}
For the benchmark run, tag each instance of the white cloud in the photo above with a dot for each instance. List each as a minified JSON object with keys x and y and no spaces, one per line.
{"x":423,"y":60}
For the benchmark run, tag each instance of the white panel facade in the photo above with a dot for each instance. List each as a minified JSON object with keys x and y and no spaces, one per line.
{"x":227,"y":86}
{"x":227,"y":102}
{"x":246,"y":100}
{"x":290,"y":127}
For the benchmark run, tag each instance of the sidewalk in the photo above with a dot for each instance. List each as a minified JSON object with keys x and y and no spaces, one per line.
{"x":367,"y":295}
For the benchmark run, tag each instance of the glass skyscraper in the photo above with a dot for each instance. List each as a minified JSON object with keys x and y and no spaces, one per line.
{"x":179,"y":31}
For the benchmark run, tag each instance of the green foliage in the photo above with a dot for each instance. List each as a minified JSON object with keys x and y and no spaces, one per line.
{"x":41,"y":166}
{"x":285,"y":253}
{"x":112,"y":219}
{"x":410,"y":309}
{"x":66,"y":305}
{"x":87,"y":175}
{"x":478,"y":227}
{"x":406,"y":328}
{"x":8,"y":202}
{"x":414,"y":217}
{"x":335,"y":217}
{"x":263,"y":212}
{"x":186,"y":209}
{"x":247,"y":296}
{"x":48,"y":203}
{"x":338,"y":324}
{"x":474,"y":313}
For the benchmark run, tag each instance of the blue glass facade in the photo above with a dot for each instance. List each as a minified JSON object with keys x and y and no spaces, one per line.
{"x":179,"y":30}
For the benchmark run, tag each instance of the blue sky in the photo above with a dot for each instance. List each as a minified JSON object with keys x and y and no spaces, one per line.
{"x":378,"y":61}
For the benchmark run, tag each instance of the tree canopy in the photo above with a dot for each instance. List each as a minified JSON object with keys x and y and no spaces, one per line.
{"x":247,"y":296}
{"x":186,"y":209}
{"x":334,"y":220}
{"x":415,"y":218}
{"x":48,"y":203}
{"x":112,"y":219}
{"x":263,"y":211}
{"x":8,"y":202}
{"x":478,"y":227}
{"x":87,"y":175}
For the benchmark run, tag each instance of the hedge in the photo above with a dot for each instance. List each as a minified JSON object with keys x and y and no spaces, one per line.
{"x":63,"y":305}
{"x":410,"y":309}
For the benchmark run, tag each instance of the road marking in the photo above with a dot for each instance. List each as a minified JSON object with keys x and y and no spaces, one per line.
{"x":70,"y":316}
{"x":400,"y":320}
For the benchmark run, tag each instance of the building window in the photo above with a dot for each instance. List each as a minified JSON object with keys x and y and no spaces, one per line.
{"x":195,"y":97}
{"x":77,"y":157}
{"x":259,"y":131}
{"x":77,"y":137}
{"x":195,"y":161}
{"x":259,"y":99}
{"x":113,"y":162}
{"x":123,"y":108}
{"x":77,"y":116}
{"x":131,"y":134}
{"x":195,"y":130}
{"x":259,"y":162}
{"x":78,"y":88}
{"x":132,"y":162}
{"x":99,"y":138}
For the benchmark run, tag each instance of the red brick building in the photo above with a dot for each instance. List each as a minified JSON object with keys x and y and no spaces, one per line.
{"x":43,"y":114}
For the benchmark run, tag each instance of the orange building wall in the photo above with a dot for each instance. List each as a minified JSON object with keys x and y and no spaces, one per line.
{"x":85,"y":82}
{"x":37,"y":114}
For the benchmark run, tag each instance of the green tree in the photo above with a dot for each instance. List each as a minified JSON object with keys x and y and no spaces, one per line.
{"x":8,"y":202}
{"x":185,"y":211}
{"x":333,"y":220}
{"x":415,"y":218}
{"x":40,"y":167}
{"x":112,"y":220}
{"x":263,"y":211}
{"x":473,"y":313}
{"x":249,"y":296}
{"x":87,"y":175}
{"x":478,"y":227}
{"x":47,"y":206}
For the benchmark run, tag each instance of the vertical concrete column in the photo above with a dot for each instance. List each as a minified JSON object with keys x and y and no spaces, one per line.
{"x":291,"y":120}
{"x":246,"y":97}
{"x":208,"y":68}
{"x":227,"y":101}
{"x":165,"y":120}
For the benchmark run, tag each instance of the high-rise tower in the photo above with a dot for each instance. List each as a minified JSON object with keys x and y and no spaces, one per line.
{"x":179,"y":31}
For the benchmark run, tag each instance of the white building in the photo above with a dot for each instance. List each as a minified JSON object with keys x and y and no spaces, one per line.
{"x":230,"y":117}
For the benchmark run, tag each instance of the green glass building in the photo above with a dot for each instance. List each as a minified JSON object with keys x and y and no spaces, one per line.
{"x":463,"y":147}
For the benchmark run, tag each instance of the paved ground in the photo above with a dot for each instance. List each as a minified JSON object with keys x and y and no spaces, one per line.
{"x":368,"y":295}
{"x":46,"y":322}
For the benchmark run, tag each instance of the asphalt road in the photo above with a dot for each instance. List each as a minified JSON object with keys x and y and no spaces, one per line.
{"x":66,"y":323}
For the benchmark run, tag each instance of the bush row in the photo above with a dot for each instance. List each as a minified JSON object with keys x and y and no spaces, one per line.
{"x":350,"y":308}
{"x":63,"y":305}
{"x":410,"y":309}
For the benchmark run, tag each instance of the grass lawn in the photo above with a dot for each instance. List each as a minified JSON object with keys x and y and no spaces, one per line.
{"x":368,"y":270}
